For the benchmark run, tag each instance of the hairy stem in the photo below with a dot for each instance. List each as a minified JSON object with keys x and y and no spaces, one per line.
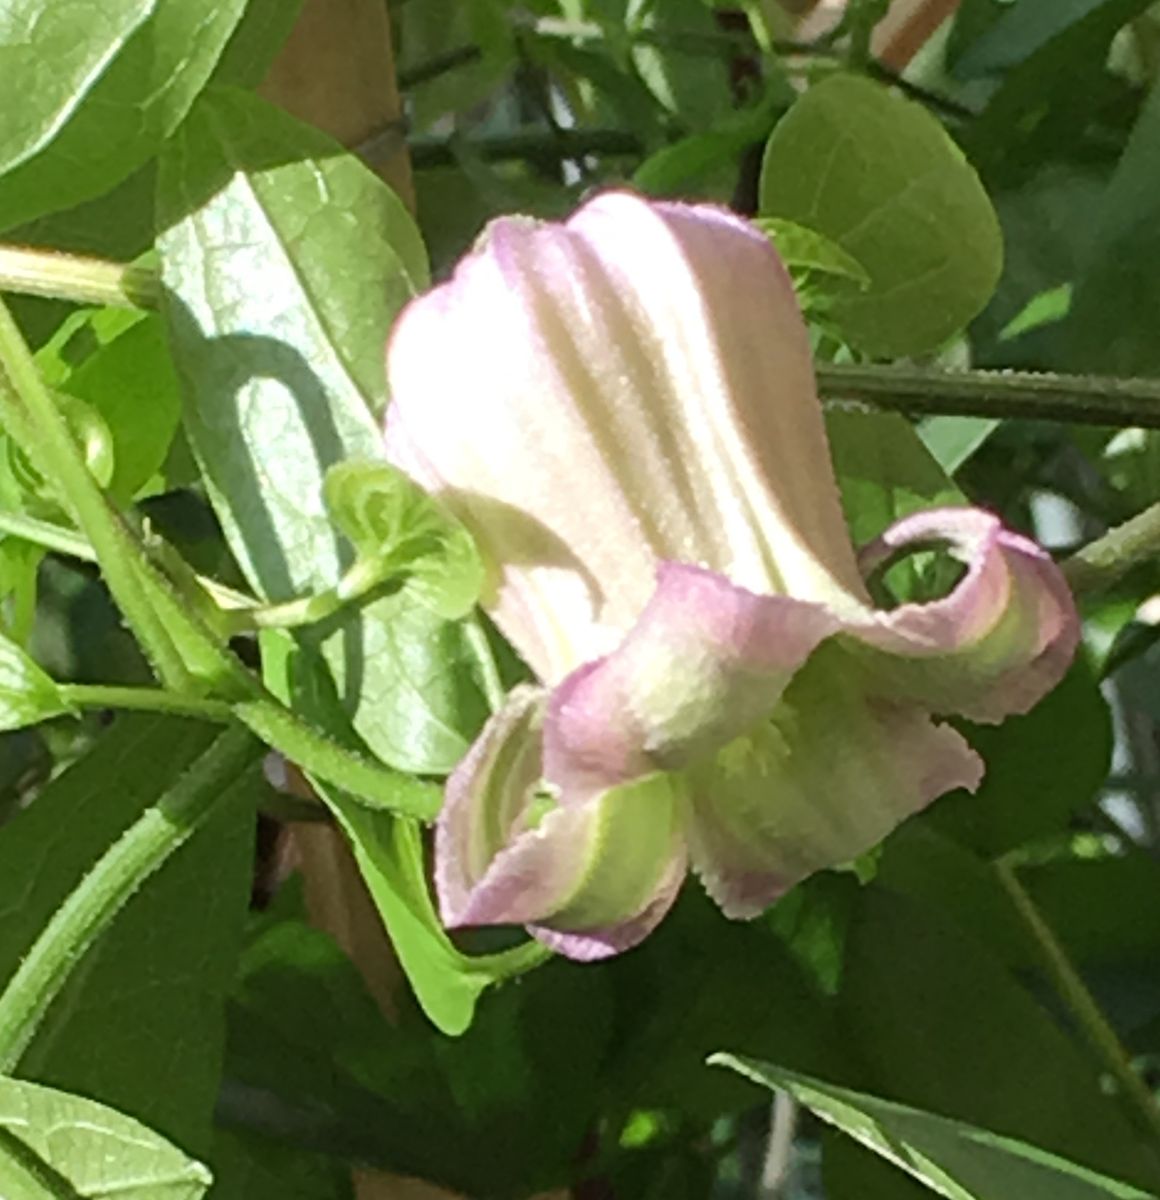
{"x":72,"y":277}
{"x":1079,"y":399}
{"x":1088,"y":1016}
{"x":144,"y":699}
{"x":88,"y":910}
{"x":1100,"y":563}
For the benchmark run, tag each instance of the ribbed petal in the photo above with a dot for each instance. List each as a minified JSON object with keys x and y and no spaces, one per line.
{"x":996,"y":644}
{"x":590,"y":878}
{"x":821,"y":782}
{"x":594,"y":397}
{"x":705,"y":661}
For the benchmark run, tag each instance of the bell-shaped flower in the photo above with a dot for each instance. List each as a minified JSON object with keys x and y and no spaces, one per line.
{"x":622,"y":410}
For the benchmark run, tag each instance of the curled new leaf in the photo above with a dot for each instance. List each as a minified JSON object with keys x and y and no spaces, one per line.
{"x":400,"y":531}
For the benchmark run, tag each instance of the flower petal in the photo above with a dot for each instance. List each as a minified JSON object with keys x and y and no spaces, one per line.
{"x":824,"y":780}
{"x":996,"y":644}
{"x":593,"y":397}
{"x":704,"y":662}
{"x":590,"y":879}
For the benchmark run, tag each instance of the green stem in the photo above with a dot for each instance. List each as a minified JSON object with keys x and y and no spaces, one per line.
{"x":110,"y":884}
{"x":359,"y":582}
{"x":859,"y":21}
{"x":144,"y":699}
{"x":68,"y":542}
{"x":494,"y":691}
{"x":1080,"y":399}
{"x":1072,"y":990}
{"x":71,"y":277}
{"x":374,"y":785}
{"x":30,"y":416}
{"x":1100,"y":563}
{"x":46,"y":534}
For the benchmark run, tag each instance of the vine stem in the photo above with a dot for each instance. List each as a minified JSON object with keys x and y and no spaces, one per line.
{"x":1079,"y":399}
{"x":1032,"y":395}
{"x":1072,"y":990}
{"x":90,"y":908}
{"x":1100,"y":563}
{"x":144,"y":699}
{"x":85,"y":280}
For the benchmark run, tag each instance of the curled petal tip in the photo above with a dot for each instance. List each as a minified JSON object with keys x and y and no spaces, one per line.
{"x":1001,"y":639}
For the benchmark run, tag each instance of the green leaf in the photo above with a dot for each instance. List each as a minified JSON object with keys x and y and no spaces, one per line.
{"x":119,"y":363}
{"x":27,"y":694}
{"x":53,"y":54}
{"x":54,"y":1146}
{"x":397,"y":527}
{"x":953,"y":440}
{"x":251,"y":1167}
{"x":391,"y":858}
{"x":958,"y":1161}
{"x":1115,"y":307}
{"x":1036,"y":779}
{"x":1027,"y":27}
{"x":677,"y":61}
{"x":879,"y":176}
{"x":140,"y":1024}
{"x":284,"y":278}
{"x":255,"y":42}
{"x":939,"y":1021}
{"x":805,"y":252}
{"x":129,"y":79}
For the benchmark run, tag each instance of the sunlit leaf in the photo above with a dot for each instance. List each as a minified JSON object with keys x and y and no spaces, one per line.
{"x":54,"y":1146}
{"x":879,"y":176}
{"x":958,"y":1161}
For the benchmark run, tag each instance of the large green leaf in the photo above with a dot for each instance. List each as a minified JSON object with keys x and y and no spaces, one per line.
{"x":958,"y":1161}
{"x":286,"y":261}
{"x":1042,"y":768}
{"x":938,"y":1021}
{"x":129,"y":78}
{"x":879,"y":176}
{"x":54,"y":1146}
{"x":1115,"y":308}
{"x":251,"y":1167}
{"x":140,"y":1024}
{"x":53,"y":53}
{"x":313,"y":1063}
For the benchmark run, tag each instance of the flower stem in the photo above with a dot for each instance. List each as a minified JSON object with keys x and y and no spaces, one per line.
{"x":363,"y":578}
{"x":144,"y":699}
{"x":1100,"y":563}
{"x":44,"y":533}
{"x":1079,"y":399}
{"x":71,"y":277}
{"x":1072,"y":990}
{"x":111,"y":882}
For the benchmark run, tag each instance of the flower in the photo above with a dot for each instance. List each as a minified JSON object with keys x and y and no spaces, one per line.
{"x":621,"y":408}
